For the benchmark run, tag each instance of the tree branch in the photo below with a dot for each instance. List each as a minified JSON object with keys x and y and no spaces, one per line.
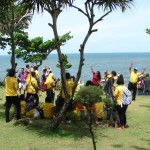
{"x":79,"y":9}
{"x":101,"y":18}
{"x":25,"y":15}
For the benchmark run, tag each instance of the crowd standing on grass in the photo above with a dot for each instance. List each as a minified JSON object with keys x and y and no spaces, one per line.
{"x":23,"y":90}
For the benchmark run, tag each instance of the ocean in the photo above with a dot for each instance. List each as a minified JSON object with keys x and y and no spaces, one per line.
{"x":119,"y":62}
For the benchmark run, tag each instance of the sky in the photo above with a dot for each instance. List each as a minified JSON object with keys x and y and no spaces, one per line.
{"x":118,"y":32}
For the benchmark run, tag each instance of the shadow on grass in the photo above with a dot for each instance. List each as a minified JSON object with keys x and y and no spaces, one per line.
{"x":139,"y":148}
{"x":146,"y":140}
{"x":73,"y":130}
{"x":146,"y":106}
{"x":117,"y":146}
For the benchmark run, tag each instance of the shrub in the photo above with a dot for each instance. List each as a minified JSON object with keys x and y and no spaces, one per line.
{"x":89,"y":95}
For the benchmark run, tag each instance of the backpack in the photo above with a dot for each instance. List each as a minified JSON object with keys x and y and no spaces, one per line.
{"x":127,"y":97}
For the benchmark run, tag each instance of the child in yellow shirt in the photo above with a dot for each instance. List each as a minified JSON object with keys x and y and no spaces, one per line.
{"x":47,"y":110}
{"x":98,"y":110}
{"x":22,"y":104}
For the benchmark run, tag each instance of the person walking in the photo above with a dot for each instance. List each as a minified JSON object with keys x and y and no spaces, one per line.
{"x":134,"y":75}
{"x":22,"y":81}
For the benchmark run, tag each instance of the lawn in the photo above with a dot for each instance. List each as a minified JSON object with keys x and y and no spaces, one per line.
{"x":74,"y":136}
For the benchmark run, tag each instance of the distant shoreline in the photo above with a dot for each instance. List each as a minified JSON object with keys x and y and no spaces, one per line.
{"x":94,"y":53}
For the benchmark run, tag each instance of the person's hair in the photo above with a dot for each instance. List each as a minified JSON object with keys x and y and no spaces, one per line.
{"x":11,"y":72}
{"x":114,"y":73}
{"x":33,"y":73}
{"x":89,"y":82}
{"x":72,"y":77}
{"x":147,"y":75}
{"x":120,"y":80}
{"x":35,"y":68}
{"x":44,"y":70}
{"x":99,"y":75}
{"x":67,"y":75}
{"x":27,"y":66}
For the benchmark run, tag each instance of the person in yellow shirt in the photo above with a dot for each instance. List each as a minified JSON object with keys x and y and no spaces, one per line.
{"x":11,"y":87}
{"x":69,"y":84}
{"x":48,"y":110}
{"x":32,"y":88}
{"x":98,"y":109}
{"x":37,"y":75}
{"x":118,"y":94}
{"x":132,"y":86}
{"x":61,"y":98}
{"x":50,"y":88}
{"x":22,"y":104}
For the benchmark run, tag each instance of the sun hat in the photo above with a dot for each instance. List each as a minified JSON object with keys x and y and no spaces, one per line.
{"x":136,"y":68}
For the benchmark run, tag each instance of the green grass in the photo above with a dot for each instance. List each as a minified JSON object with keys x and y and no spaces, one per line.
{"x":74,"y":136}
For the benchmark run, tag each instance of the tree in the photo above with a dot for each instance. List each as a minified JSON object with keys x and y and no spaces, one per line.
{"x":54,"y":8}
{"x":14,"y":18}
{"x":36,"y":50}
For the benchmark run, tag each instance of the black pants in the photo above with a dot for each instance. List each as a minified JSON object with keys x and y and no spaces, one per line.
{"x":9,"y":101}
{"x":133,"y":87}
{"x":122,"y":113}
{"x":50,"y":95}
{"x":111,"y":113}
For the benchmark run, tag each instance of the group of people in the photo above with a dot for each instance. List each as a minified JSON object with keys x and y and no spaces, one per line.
{"x":113,"y":88}
{"x":143,"y":85}
{"x":29,"y":80}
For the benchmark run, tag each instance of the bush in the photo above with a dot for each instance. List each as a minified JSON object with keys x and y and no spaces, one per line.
{"x":89,"y":95}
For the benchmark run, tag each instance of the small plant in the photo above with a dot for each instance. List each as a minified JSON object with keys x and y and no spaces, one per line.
{"x":88,"y":96}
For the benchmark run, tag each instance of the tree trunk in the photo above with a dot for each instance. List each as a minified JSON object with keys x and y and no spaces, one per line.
{"x":55,"y":123}
{"x":13,"y":51}
{"x":91,"y":131}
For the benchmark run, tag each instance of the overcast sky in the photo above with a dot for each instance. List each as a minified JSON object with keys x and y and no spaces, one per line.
{"x":118,"y":32}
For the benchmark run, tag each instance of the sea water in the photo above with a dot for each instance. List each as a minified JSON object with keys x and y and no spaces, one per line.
{"x":119,"y":62}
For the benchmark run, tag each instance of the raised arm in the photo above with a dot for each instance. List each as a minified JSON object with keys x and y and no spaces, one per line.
{"x":130,"y":68}
{"x":143,"y":71}
{"x":92,"y":69}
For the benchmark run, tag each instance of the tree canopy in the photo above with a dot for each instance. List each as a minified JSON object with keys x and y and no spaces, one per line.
{"x":36,"y":50}
{"x":14,"y":19}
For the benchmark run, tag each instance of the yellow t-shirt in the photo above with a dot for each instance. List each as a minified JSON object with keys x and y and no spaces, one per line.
{"x":134,"y":77}
{"x":119,"y":93}
{"x":107,"y":77}
{"x":115,"y":80}
{"x":47,"y":110}
{"x":77,"y":112}
{"x":11,"y":86}
{"x":37,"y":74}
{"x":30,"y":88}
{"x":98,"y":108}
{"x":23,"y":107}
{"x":70,"y":85}
{"x":50,"y":83}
